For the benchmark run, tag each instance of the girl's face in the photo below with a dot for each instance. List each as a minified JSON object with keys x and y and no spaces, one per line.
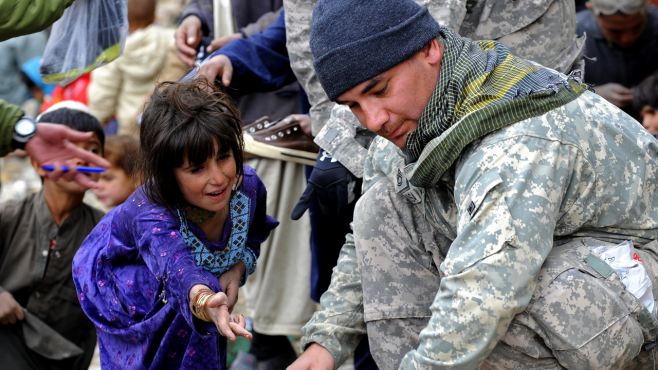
{"x":114,"y":187}
{"x":208,"y":185}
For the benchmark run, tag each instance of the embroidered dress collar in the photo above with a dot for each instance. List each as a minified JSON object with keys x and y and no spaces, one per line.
{"x":220,"y":261}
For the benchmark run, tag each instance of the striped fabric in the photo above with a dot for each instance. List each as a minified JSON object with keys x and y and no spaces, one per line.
{"x":481,"y":88}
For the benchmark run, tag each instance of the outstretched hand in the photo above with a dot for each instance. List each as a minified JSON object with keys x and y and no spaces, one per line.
{"x":218,"y":66}
{"x":228,"y":325}
{"x":53,"y":144}
{"x":188,"y":37}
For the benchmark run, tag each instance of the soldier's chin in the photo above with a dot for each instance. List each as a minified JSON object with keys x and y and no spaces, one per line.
{"x":400,"y":142}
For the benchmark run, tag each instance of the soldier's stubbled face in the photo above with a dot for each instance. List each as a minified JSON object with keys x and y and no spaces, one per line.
{"x":391,"y":103}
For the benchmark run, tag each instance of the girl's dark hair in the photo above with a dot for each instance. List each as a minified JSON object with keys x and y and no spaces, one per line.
{"x":185,"y":120}
{"x":77,"y":120}
{"x":646,"y":93}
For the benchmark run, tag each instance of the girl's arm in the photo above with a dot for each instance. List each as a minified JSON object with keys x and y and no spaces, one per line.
{"x":168,"y":257}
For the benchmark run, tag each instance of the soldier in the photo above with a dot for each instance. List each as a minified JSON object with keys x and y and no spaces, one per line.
{"x":483,"y":231}
{"x":539,"y":30}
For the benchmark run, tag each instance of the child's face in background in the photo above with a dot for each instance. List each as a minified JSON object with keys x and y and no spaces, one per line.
{"x":650,"y":119}
{"x":209,"y":185}
{"x":114,"y":187}
{"x":72,"y":187}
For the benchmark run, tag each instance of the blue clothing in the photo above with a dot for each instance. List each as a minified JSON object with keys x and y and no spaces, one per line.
{"x":245,"y":12}
{"x":260,"y":62}
{"x":606,"y":63}
{"x":133,"y":275}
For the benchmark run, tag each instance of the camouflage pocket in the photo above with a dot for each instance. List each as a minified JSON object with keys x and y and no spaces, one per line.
{"x":587,"y":319}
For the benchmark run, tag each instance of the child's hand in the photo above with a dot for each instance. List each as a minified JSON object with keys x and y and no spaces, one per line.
{"x":227,"y":325}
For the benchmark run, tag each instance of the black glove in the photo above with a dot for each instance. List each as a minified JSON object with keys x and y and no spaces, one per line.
{"x":331,"y":186}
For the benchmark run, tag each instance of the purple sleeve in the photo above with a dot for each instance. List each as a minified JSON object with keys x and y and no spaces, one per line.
{"x":168,"y":257}
{"x":132,"y":264}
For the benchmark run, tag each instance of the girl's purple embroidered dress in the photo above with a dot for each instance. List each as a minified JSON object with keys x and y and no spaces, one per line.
{"x":133,"y":274}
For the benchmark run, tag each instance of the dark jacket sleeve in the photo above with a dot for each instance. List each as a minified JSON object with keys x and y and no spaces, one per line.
{"x":260,"y":62}
{"x":20,"y":17}
{"x":9,"y":114}
{"x":201,"y":9}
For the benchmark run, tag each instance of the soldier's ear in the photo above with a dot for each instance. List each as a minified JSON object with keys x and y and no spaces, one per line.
{"x":433,"y":51}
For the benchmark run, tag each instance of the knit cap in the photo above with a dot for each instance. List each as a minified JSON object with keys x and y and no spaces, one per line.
{"x":355,"y":40}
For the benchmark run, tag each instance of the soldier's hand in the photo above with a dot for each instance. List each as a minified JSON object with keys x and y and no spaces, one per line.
{"x":53,"y":144}
{"x":218,"y":66}
{"x":615,"y":93}
{"x":188,"y":37}
{"x":315,"y":357}
{"x":10,"y":310}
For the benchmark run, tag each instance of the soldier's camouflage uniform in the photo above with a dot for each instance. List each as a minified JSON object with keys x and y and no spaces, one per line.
{"x":540,"y":30}
{"x":543,"y":190}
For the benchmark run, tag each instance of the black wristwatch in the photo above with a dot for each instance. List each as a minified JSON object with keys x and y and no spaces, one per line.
{"x":24,"y":129}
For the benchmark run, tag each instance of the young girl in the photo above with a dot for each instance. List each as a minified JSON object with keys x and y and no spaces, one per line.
{"x":147,"y":275}
{"x":122,"y":177}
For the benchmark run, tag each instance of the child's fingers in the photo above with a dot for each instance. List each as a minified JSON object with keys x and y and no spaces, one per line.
{"x":240,"y":330}
{"x":239,"y":319}
{"x":239,"y":326}
{"x":218,"y":312}
{"x":222,"y":322}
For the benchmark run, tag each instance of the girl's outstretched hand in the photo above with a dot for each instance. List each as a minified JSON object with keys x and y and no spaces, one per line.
{"x":228,"y":325}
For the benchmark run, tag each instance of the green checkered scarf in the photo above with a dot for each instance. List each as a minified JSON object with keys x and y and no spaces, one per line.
{"x":481,"y":88}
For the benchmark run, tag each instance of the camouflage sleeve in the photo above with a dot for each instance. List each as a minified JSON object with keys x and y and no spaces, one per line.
{"x":338,"y":326}
{"x":24,"y":17}
{"x":449,"y":13}
{"x":338,"y":137}
{"x":9,"y":115}
{"x":509,"y":196}
{"x":298,"y":31}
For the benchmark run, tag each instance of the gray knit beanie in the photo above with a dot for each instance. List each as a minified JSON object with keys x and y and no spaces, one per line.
{"x":355,"y":40}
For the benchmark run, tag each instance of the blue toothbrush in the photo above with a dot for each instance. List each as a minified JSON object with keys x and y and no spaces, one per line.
{"x":51,"y":168}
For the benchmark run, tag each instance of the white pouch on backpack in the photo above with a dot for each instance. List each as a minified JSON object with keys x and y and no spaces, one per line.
{"x":628,"y":266}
